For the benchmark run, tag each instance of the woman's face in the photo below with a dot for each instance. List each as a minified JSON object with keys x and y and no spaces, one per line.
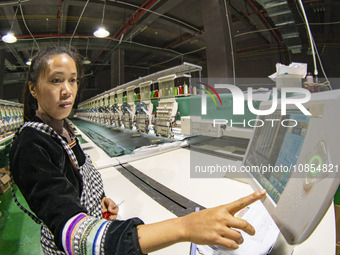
{"x":57,"y":87}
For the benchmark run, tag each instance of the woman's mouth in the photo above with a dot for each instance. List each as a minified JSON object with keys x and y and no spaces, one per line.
{"x":66,"y":105}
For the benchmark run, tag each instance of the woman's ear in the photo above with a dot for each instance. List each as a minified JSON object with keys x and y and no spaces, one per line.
{"x":32,"y":89}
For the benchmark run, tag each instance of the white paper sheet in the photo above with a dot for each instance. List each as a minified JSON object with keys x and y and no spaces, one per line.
{"x":259,"y":244}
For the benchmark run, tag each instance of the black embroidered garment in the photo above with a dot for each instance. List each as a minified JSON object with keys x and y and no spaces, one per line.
{"x":56,"y":191}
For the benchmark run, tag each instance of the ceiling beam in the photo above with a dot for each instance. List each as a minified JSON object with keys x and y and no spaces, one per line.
{"x":248,"y":22}
{"x":152,"y":16}
{"x":265,"y":21}
{"x":16,"y":54}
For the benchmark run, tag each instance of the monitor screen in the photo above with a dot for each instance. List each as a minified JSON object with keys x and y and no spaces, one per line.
{"x":275,"y":149}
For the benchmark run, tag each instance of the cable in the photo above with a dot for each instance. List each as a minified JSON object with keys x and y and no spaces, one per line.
{"x":14,"y":3}
{"x":313,"y":46}
{"x":81,"y":15}
{"x":231,"y":40}
{"x":326,"y":23}
{"x":29,"y":31}
{"x":310,"y":36}
{"x":256,"y":31}
{"x":123,"y":41}
{"x":15,"y":14}
{"x":321,"y":65}
{"x":181,"y":55}
{"x":103,"y":12}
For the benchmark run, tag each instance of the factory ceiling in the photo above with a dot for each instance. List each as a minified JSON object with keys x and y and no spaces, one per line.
{"x":158,"y":34}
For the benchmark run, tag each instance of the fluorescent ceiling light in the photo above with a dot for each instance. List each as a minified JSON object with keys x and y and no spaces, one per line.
{"x":86,"y":61}
{"x":101,"y":32}
{"x":9,"y":38}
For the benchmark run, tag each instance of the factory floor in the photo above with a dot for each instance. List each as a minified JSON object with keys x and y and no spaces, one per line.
{"x":19,"y":234}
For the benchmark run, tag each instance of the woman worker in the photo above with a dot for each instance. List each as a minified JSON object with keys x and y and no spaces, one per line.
{"x":65,"y":191}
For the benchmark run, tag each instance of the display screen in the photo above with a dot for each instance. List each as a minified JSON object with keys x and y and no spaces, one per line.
{"x":275,"y":149}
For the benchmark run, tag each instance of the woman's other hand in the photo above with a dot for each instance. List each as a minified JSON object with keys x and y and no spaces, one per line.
{"x":109,"y":206}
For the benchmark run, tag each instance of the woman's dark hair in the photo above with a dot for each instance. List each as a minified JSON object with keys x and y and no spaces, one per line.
{"x":38,"y":66}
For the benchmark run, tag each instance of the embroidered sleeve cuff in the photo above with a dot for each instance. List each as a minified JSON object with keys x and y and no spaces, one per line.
{"x":83,"y":234}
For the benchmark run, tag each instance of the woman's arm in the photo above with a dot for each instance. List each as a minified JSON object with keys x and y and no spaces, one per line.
{"x":215,"y":226}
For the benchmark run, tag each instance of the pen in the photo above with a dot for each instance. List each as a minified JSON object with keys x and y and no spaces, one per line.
{"x":117,"y":205}
{"x":107,"y":214}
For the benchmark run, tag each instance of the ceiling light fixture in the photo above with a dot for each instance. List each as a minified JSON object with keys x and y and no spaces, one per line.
{"x":29,"y":62}
{"x":86,"y":60}
{"x":101,"y":32}
{"x":10,"y":37}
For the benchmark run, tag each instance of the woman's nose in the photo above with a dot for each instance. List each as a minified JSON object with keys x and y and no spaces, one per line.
{"x":66,"y":89}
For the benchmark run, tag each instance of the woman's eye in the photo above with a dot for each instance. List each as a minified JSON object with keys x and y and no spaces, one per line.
{"x":73,"y":81}
{"x":57,"y":81}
